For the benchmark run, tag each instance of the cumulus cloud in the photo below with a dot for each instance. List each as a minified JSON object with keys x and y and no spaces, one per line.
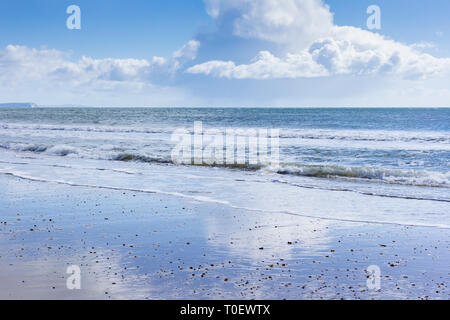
{"x":265,"y":66}
{"x":185,"y":54}
{"x":51,"y":76}
{"x":20,"y":64}
{"x":333,"y":50}
{"x":282,"y":21}
{"x":352,"y":50}
{"x":269,"y":40}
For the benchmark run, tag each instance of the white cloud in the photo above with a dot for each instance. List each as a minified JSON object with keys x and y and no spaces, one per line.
{"x":423,"y":45}
{"x":281,"y":21}
{"x":326,"y":65}
{"x":185,"y":54}
{"x":265,"y":66}
{"x":188,"y":51}
{"x":42,"y":75}
{"x":352,"y":50}
{"x":20,"y":64}
{"x":88,"y":70}
{"x":333,"y":50}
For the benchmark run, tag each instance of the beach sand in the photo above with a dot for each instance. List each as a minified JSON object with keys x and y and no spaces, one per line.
{"x":132,"y":245}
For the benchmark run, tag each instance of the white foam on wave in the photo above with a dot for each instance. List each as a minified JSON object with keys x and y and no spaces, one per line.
{"x":325,"y":134}
{"x":22,"y":175}
{"x":368,"y":135}
{"x":384,"y":175}
{"x":375,"y":174}
{"x":81,"y":128}
{"x":62,"y":150}
{"x":57,"y":150}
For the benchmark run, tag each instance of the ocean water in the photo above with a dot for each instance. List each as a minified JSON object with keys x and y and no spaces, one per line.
{"x":367,"y":165}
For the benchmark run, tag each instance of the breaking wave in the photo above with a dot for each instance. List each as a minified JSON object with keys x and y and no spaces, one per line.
{"x":129,"y":157}
{"x":57,"y":150}
{"x":392,"y":176}
{"x":287,"y":133}
{"x":376,"y":174}
{"x":99,"y":129}
{"x":384,"y":175}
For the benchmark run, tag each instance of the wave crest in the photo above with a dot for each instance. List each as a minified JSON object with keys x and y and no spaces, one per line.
{"x":376,"y":174}
{"x":393,"y":176}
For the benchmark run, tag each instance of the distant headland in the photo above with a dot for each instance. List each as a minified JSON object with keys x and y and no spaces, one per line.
{"x":18,"y":105}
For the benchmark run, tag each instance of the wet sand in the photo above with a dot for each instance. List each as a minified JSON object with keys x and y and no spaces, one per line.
{"x":132,"y":245}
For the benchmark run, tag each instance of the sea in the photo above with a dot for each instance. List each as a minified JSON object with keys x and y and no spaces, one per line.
{"x":367,"y":165}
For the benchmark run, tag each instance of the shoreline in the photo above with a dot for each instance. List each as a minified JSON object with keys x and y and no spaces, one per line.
{"x":185,"y":249}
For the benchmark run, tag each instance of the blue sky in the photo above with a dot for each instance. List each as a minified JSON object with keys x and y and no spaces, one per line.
{"x":136,"y":28}
{"x":235,"y":52}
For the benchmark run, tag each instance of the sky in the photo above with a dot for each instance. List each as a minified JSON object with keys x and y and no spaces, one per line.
{"x":265,"y":53}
